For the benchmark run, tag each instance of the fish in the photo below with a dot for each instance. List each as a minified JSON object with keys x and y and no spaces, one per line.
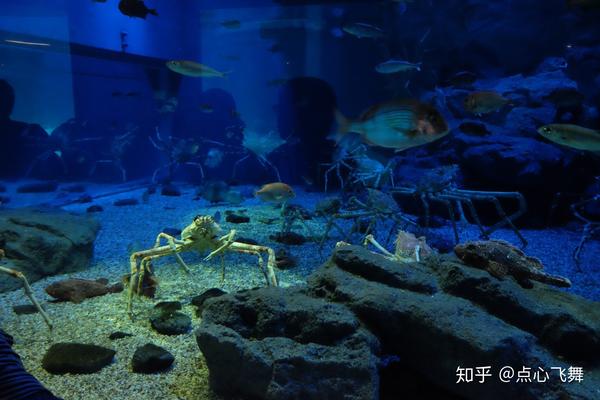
{"x":363,"y":30}
{"x":206,"y":108}
{"x":135,"y":9}
{"x":194,"y":69}
{"x":573,"y":136}
{"x":393,"y":66}
{"x":76,"y":290}
{"x":484,"y":102}
{"x":277,"y":192}
{"x":231,"y":24}
{"x":398,"y":125}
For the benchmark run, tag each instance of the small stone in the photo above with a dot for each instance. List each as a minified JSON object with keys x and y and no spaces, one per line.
{"x":150,"y":358}
{"x":174,"y":324}
{"x":24,"y":309}
{"x":199,"y":300}
{"x":170,"y":190}
{"x":86,"y":198}
{"x":38,"y":187}
{"x":94,"y":209}
{"x":291,"y":238}
{"x":167,"y":308}
{"x":283,"y":260}
{"x":76,"y":358}
{"x":119,"y":335}
{"x":126,"y":202}
{"x":237,"y":218}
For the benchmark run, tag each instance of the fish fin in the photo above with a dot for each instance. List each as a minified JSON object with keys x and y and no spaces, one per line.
{"x":226,"y":74}
{"x":77,"y":297}
{"x":343,"y":126}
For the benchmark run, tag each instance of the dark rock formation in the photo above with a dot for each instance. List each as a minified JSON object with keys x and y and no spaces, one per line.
{"x":150,"y":358}
{"x":42,"y":243}
{"x":76,"y":358}
{"x":200,"y":300}
{"x":273,"y":343}
{"x":119,"y":335}
{"x":429,"y":318}
{"x":290,"y":238}
{"x":174,"y":323}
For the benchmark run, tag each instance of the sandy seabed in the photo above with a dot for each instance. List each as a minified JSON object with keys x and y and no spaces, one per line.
{"x":135,"y":227}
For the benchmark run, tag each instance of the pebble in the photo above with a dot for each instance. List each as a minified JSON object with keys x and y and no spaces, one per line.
{"x":150,"y":358}
{"x":76,"y":358}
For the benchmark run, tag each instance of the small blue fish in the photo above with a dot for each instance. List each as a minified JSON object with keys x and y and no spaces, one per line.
{"x":394,"y":66}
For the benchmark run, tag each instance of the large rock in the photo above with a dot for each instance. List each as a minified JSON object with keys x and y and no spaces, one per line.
{"x":473,"y":320}
{"x":41,"y":243}
{"x":76,"y":358}
{"x":275,"y":343}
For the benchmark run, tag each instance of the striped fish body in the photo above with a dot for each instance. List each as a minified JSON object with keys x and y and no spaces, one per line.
{"x":400,"y":125}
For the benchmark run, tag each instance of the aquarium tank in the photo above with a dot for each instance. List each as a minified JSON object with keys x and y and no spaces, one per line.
{"x":287,"y":199}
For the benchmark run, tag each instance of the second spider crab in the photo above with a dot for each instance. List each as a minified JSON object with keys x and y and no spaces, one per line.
{"x":201,"y":235}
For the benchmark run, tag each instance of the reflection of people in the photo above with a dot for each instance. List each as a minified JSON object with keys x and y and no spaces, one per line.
{"x":20,"y":142}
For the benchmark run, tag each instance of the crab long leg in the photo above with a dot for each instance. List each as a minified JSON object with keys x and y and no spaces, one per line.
{"x":370,"y":239}
{"x":173,"y":242}
{"x":227,"y":240}
{"x":253,"y":249}
{"x":133,"y":278}
{"x":28,"y":292}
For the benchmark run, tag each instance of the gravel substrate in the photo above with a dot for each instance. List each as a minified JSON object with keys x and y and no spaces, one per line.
{"x":135,"y":228}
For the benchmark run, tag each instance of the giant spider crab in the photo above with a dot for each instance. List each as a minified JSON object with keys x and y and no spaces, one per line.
{"x":363,"y":167}
{"x":178,"y":152}
{"x":439,"y":186}
{"x":590,"y":227}
{"x":378,"y":206}
{"x":200,"y":235}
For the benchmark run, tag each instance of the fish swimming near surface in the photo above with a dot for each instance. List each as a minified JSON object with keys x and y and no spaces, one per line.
{"x":277,"y":192}
{"x":363,"y":30}
{"x":395,"y":66}
{"x":574,"y":136}
{"x":77,"y":290}
{"x":399,"y":125}
{"x":194,"y":69}
{"x":484,"y":102}
{"x":135,"y":9}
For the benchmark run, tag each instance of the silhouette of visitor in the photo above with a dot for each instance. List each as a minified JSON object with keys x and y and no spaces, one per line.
{"x":21,"y":143}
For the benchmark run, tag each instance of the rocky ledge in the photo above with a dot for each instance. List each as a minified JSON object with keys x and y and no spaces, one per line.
{"x":335,"y":338}
{"x":42,"y":243}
